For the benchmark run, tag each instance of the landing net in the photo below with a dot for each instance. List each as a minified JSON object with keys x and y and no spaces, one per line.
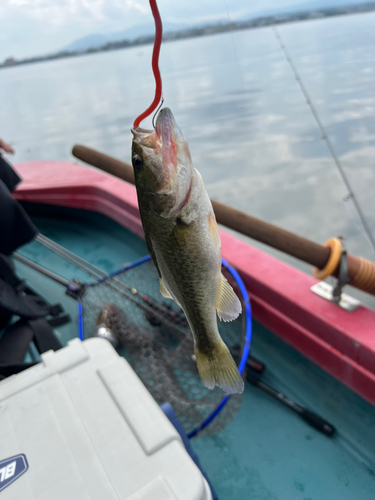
{"x":152,"y":333}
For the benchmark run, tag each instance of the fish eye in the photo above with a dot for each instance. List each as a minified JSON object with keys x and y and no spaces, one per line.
{"x":137,"y":161}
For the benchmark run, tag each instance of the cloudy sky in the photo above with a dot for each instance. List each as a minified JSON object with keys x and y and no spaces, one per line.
{"x":34,"y":27}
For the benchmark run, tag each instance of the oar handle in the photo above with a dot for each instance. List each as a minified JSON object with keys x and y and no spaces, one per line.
{"x":361,"y":272}
{"x":111,"y":165}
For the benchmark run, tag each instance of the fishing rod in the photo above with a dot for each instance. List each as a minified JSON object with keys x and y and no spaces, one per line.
{"x":256,"y":368}
{"x":307,"y":415}
{"x":151,"y":307}
{"x":41,"y":269}
{"x":340,"y":168}
{"x":360,"y":271}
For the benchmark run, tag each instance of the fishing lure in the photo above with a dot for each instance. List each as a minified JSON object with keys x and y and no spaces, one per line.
{"x":155,"y":65}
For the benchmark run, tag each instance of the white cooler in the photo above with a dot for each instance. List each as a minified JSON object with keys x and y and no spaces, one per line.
{"x":81,"y":425}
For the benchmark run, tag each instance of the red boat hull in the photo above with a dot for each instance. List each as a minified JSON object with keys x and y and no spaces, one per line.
{"x":341,"y":343}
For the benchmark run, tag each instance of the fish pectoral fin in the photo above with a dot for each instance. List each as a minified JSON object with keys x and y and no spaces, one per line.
{"x":212,"y":225}
{"x":228,"y":305}
{"x":152,"y":253}
{"x":164,"y":291}
{"x":219,"y":368}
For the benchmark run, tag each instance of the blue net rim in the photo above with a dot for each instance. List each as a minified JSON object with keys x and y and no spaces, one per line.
{"x":248,"y":333}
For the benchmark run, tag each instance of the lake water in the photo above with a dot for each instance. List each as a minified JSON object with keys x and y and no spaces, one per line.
{"x":251,"y":133}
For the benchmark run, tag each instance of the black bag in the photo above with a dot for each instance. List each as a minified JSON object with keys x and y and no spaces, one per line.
{"x":16,"y":298}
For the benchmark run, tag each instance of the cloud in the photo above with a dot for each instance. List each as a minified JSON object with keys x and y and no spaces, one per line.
{"x":64,"y":11}
{"x":34,"y":27}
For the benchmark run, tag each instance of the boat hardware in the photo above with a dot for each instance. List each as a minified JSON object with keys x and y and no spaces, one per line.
{"x":325,"y":290}
{"x":342,"y":279}
{"x":75,"y":289}
{"x":310,"y":417}
{"x":334,"y":294}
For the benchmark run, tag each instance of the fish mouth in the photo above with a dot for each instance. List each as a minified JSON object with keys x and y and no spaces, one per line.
{"x":165,"y":140}
{"x":145,"y":142}
{"x":140,"y":133}
{"x":167,"y":128}
{"x":170,"y":136}
{"x":164,"y":124}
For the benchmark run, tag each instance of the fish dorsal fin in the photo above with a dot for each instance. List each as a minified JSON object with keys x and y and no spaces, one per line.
{"x":164,"y":291}
{"x":228,"y":305}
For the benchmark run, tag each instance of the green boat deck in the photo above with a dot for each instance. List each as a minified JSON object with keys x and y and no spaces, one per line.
{"x":266,"y":452}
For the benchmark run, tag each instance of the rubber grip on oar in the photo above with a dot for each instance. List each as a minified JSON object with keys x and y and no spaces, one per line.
{"x":317,"y":422}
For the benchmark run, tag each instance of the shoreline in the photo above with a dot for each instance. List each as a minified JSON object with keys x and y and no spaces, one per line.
{"x":207,"y":30}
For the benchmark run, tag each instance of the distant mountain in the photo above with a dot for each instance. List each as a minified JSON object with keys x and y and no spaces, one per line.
{"x":87,"y":42}
{"x":98,"y":40}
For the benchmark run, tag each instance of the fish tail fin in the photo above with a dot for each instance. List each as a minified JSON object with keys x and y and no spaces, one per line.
{"x":219,"y":368}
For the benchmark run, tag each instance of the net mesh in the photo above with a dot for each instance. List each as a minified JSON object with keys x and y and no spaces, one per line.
{"x":153,"y":335}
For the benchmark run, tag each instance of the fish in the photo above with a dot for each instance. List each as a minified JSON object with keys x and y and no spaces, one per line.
{"x":183,"y":240}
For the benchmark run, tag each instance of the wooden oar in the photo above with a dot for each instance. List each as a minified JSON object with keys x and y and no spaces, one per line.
{"x":361,"y":272}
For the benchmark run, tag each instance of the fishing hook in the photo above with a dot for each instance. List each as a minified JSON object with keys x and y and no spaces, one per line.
{"x":157,"y":111}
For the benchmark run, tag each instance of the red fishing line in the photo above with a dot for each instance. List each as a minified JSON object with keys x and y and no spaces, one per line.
{"x":155,"y":64}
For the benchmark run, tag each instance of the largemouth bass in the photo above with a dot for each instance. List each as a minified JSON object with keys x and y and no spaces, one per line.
{"x":183,"y":240}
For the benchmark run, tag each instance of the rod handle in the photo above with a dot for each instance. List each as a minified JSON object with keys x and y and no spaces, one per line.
{"x":317,"y":422}
{"x":361,"y":274}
